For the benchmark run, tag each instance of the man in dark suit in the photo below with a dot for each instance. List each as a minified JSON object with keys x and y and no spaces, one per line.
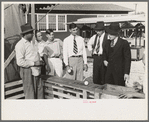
{"x":96,"y":44}
{"x":117,"y":57}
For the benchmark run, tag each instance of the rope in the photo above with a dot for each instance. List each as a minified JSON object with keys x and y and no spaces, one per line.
{"x":7,"y":7}
{"x":42,"y":17}
{"x":46,"y":13}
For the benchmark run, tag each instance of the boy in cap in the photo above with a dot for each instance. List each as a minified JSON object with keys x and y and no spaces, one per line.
{"x":117,"y":57}
{"x":96,"y":45}
{"x":29,"y":61}
{"x":74,"y":54}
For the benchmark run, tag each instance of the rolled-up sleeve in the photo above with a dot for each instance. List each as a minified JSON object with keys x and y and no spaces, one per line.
{"x":20,"y":57}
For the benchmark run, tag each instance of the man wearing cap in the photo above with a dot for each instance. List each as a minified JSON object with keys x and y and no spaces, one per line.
{"x":29,"y":61}
{"x":96,"y":45}
{"x":74,"y":54}
{"x":117,"y":57}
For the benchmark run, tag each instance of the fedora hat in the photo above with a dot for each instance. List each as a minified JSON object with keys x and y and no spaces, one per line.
{"x":99,"y":26}
{"x":26,"y":28}
{"x":113,"y":29}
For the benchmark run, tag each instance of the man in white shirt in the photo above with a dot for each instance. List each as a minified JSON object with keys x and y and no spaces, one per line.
{"x":96,"y":44}
{"x":27,"y":58}
{"x":74,"y":54}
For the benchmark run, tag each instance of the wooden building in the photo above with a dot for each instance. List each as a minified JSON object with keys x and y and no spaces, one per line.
{"x":61,"y":14}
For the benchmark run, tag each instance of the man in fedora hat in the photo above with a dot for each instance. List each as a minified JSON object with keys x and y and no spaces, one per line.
{"x":29,"y":61}
{"x":96,"y":45}
{"x":117,"y":57}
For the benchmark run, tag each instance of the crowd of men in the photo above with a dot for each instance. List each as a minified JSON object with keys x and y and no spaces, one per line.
{"x":111,"y":57}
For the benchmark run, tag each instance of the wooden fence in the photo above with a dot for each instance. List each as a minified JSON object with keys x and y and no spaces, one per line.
{"x":14,"y":90}
{"x":62,"y":88}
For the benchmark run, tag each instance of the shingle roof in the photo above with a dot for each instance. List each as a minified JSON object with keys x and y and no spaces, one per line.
{"x":90,"y":7}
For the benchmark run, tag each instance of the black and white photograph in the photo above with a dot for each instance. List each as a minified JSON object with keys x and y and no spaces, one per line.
{"x":74,"y":60}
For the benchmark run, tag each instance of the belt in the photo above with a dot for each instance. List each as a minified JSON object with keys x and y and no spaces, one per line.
{"x":97,"y":55}
{"x":76,"y":56}
{"x":55,"y":57}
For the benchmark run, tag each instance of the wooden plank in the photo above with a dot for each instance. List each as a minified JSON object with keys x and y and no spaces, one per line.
{"x":77,"y":95}
{"x":108,"y":96}
{"x":48,"y":91}
{"x":84,"y":94}
{"x":64,"y":95}
{"x":48,"y":97}
{"x":110,"y":93}
{"x":61,"y":94}
{"x":119,"y":89}
{"x":71,"y":83}
{"x":97,"y":94}
{"x":64,"y":89}
{"x":13,"y":83}
{"x":55,"y":98}
{"x":14,"y":90}
{"x":17,"y":96}
{"x":60,"y":91}
{"x":90,"y":96}
{"x":11,"y":56}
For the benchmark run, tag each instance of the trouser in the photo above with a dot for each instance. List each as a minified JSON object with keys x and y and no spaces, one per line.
{"x":56,"y":66}
{"x":98,"y":70}
{"x":114,"y":77}
{"x":77,"y":65}
{"x":32,"y":86}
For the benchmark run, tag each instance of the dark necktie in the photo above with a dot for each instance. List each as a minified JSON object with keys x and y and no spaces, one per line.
{"x":112,"y":43}
{"x":98,"y":45}
{"x":75,"y":49}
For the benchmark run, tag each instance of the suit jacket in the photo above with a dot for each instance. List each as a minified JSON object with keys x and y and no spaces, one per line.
{"x":121,"y":56}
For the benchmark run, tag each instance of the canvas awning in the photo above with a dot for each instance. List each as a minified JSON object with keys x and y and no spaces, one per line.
{"x":13,"y":19}
{"x":119,"y":19}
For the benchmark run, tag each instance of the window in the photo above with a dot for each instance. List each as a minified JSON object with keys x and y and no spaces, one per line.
{"x":42,"y":22}
{"x":61,"y":21}
{"x":52,"y":21}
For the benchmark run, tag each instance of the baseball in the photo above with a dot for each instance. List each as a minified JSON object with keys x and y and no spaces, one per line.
{"x":86,"y":83}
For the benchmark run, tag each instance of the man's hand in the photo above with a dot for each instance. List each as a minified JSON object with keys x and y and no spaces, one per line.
{"x":38,"y":63}
{"x":126,"y":77}
{"x":105,"y":63}
{"x":67,"y":67}
{"x":126,"y":95}
{"x":85,"y":67}
{"x":138,"y":87}
{"x":48,"y":69}
{"x":129,"y":95}
{"x":61,"y":56}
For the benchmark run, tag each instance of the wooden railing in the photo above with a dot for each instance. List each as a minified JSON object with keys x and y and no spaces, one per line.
{"x":62,"y":88}
{"x":14,"y":90}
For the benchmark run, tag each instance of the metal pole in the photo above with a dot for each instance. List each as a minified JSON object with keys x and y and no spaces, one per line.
{"x":33,"y":15}
{"x":136,"y":38}
{"x":33,"y":19}
{"x":135,"y":9}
